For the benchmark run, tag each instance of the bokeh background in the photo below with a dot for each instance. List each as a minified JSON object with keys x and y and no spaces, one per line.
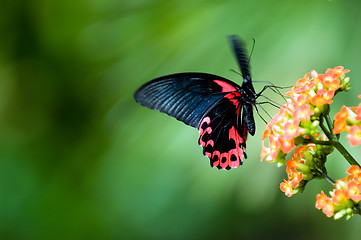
{"x":79,"y":159}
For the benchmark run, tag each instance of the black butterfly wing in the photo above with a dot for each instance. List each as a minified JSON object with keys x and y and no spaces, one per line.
{"x":223,"y":133}
{"x":185,"y":96}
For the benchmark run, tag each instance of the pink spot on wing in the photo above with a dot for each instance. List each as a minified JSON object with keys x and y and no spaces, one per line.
{"x":234,"y":164}
{"x":216,"y":153}
{"x":207,"y":120}
{"x":202,"y":132}
{"x":226,"y":87}
{"x":209,"y":131}
{"x":226,"y":163}
{"x":210,"y":142}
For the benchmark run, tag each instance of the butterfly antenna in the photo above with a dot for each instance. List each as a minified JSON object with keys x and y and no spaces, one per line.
{"x":234,"y":71}
{"x":270,"y":83}
{"x":250,"y":55}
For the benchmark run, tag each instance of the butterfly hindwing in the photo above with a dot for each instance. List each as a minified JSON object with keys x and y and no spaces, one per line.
{"x":223,"y":133}
{"x":185,"y":96}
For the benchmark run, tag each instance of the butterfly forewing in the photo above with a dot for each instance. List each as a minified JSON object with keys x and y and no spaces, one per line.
{"x":185,"y":96}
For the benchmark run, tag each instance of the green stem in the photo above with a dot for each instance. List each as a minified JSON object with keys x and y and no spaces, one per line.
{"x":325,"y":130}
{"x":315,"y":141}
{"x":328,"y":179}
{"x":329,"y":123}
{"x":323,"y":172}
{"x":345,"y":153}
{"x":334,"y":139}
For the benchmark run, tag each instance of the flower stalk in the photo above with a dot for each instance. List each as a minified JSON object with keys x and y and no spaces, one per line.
{"x":346,"y":154}
{"x":334,"y":140}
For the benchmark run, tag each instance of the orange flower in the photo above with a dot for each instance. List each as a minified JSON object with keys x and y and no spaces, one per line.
{"x":295,"y":177}
{"x":340,"y":71}
{"x":302,"y":85}
{"x":339,"y":195}
{"x":286,"y":144}
{"x":300,"y":160}
{"x":330,"y":80}
{"x":340,"y":121}
{"x":354,"y":192}
{"x":349,"y":120}
{"x":302,"y":113}
{"x":286,"y":187}
{"x":325,"y":203}
{"x":358,"y":112}
{"x":321,"y":200}
{"x":354,"y":135}
{"x":322,"y":97}
{"x":270,"y":153}
{"x":284,"y":128}
{"x":354,"y":170}
{"x":345,"y":196}
{"x":328,"y":209}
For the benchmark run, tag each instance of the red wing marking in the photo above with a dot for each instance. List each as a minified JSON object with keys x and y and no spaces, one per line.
{"x":232,"y":97}
{"x":204,"y":131}
{"x":226,"y":87}
{"x":216,"y":156}
{"x":210,"y":143}
{"x":238,"y":151}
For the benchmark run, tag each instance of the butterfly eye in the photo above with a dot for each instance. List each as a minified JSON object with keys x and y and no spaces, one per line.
{"x":246,"y":80}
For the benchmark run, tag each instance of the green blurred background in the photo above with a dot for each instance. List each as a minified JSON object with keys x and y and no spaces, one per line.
{"x":79,"y":159}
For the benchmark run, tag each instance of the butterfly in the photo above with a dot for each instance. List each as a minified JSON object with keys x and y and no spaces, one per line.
{"x":220,"y":109}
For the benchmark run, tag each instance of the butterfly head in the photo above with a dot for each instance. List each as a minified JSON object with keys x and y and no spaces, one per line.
{"x":247,"y":87}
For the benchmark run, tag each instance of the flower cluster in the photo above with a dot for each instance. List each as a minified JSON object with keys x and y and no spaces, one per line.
{"x":345,"y":198}
{"x":309,"y":159}
{"x":349,"y":120}
{"x":292,"y":121}
{"x":298,"y":124}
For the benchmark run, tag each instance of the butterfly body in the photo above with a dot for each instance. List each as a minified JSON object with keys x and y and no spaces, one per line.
{"x":220,"y":109}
